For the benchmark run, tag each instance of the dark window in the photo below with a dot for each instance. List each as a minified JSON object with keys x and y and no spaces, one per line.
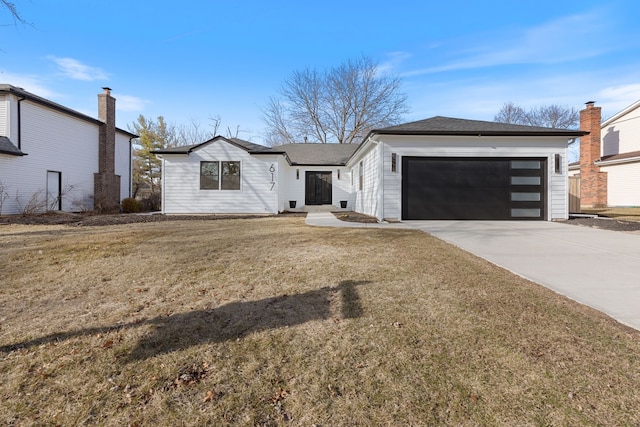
{"x":209,"y":175}
{"x":230,"y":176}
{"x":393,"y":162}
{"x":557,"y":168}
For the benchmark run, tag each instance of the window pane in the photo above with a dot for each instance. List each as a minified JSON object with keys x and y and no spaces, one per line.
{"x":525,"y":164}
{"x":230,"y":176}
{"x":209,"y":175}
{"x":525,"y":213}
{"x":525,"y":180}
{"x":525,"y":197}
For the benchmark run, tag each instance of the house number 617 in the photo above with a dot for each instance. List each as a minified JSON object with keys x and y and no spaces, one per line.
{"x":272,"y":169}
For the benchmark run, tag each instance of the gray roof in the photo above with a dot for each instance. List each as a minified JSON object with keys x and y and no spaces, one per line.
{"x":297,"y":154}
{"x":318,"y":154}
{"x":451,"y":126}
{"x":250,"y":147}
{"x":7,"y":147}
{"x":18,"y":91}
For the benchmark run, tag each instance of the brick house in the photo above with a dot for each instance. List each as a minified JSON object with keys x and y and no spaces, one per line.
{"x":609,"y":166}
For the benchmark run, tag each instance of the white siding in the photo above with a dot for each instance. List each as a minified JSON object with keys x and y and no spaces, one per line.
{"x":368,"y":200}
{"x":123,"y":164}
{"x":623,"y":184}
{"x":181,"y":182}
{"x":293,"y":184}
{"x":54,"y":142}
{"x":424,"y":146}
{"x":4,"y":115}
{"x":622,"y":135}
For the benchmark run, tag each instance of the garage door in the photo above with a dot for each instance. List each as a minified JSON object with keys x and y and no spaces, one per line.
{"x":473,"y":188}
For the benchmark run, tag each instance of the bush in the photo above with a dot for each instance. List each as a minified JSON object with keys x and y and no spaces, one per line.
{"x":151,"y":203}
{"x":131,"y":205}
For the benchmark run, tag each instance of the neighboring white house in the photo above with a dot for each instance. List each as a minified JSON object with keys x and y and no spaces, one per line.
{"x":55,"y":158}
{"x":438,"y":168}
{"x":616,"y":158}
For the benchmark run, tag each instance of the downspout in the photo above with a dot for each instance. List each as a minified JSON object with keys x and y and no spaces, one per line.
{"x":20,"y":99}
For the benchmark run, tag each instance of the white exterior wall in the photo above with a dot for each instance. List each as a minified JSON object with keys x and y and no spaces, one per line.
{"x":181,"y":191}
{"x":4,"y":115}
{"x":54,"y":142}
{"x":368,"y":200}
{"x":449,"y":146}
{"x":622,"y":135}
{"x":293,"y":188}
{"x":123,"y":164}
{"x":623,"y":184}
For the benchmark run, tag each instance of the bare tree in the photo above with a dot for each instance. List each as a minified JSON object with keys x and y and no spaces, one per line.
{"x":13,"y":10}
{"x":552,"y":116}
{"x":341,"y":104}
{"x":511,"y":113}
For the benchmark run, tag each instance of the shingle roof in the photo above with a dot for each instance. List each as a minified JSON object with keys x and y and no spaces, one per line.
{"x":318,"y":154}
{"x":7,"y":147}
{"x":451,"y":126}
{"x":240,"y":143}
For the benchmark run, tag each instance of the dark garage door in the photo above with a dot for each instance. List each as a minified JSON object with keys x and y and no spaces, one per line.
{"x":473,"y":188}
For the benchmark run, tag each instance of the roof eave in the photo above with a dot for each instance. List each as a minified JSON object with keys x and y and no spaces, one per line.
{"x":617,"y":161}
{"x":13,"y":153}
{"x":480,"y":133}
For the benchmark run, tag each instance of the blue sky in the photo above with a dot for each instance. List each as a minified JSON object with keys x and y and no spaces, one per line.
{"x":190,"y":60}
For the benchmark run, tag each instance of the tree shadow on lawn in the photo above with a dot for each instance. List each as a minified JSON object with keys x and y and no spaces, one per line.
{"x":228,"y":322}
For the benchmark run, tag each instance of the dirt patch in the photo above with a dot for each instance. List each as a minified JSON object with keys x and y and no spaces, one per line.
{"x":354,"y":217}
{"x":90,"y":219}
{"x":606,"y":224}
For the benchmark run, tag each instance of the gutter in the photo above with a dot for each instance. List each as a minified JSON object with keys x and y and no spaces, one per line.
{"x":617,"y":162}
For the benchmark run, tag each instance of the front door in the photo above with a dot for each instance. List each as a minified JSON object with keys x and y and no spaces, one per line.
{"x":318,"y":188}
{"x":54,"y":190}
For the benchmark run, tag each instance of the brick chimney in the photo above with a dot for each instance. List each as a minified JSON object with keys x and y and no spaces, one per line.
{"x":106,"y":182}
{"x":593,"y":183}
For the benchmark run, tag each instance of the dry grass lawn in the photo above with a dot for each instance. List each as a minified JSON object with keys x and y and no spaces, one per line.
{"x":627,"y":214}
{"x":269,"y":322}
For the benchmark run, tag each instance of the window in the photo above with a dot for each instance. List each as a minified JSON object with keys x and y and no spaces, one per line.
{"x":209,"y":175}
{"x":393,"y":162}
{"x":212,"y":179}
{"x":361,"y":176}
{"x":525,"y":180}
{"x":230,"y":176}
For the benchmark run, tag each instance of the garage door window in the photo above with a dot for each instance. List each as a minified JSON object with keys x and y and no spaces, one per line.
{"x":525,"y":197}
{"x":525,"y":180}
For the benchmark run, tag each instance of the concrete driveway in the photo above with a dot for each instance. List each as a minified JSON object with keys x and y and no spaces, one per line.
{"x":599,"y":268}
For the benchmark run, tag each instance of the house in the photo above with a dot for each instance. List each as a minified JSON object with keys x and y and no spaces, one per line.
{"x":438,"y":168}
{"x":609,"y":166}
{"x":53,"y":158}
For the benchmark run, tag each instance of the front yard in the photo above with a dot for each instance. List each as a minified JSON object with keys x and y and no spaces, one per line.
{"x":267,"y":321}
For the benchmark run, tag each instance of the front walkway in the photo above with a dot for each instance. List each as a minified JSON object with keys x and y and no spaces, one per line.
{"x":327,"y":219}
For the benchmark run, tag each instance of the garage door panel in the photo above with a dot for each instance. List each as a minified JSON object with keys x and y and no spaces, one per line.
{"x":471,"y":188}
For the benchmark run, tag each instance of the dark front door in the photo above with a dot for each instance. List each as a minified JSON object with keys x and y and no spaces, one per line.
{"x":473,"y":188}
{"x":318,"y":188}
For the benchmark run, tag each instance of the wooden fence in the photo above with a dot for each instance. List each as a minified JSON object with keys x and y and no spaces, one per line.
{"x":574,"y":194}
